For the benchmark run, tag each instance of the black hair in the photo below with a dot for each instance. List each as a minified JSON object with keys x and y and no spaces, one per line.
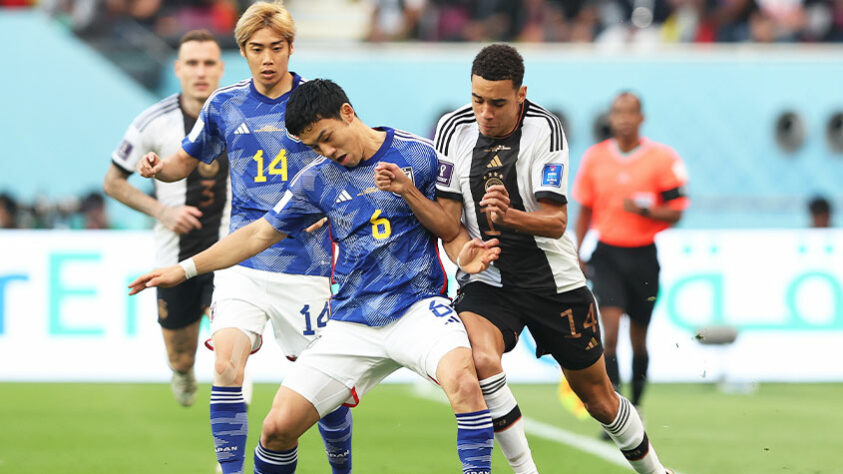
{"x":819,"y":205}
{"x":631,"y":94}
{"x":499,"y":62}
{"x":312,"y":101}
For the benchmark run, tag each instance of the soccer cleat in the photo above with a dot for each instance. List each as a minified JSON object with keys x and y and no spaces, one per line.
{"x":669,"y":471}
{"x":184,"y":387}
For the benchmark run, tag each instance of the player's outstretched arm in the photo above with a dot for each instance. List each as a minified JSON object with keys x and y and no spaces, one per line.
{"x":172,"y":168}
{"x":476,"y":255}
{"x":443,"y":222}
{"x":245,"y":242}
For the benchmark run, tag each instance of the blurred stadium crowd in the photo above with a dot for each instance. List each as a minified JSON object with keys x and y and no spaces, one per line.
{"x":600,"y":21}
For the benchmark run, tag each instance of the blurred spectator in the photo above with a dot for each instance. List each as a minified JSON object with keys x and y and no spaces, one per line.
{"x":8,"y":212}
{"x":394,"y":20}
{"x":93,"y":212}
{"x":821,"y":211}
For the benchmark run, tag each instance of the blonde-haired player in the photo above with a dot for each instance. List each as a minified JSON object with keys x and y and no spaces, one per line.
{"x":288,"y":283}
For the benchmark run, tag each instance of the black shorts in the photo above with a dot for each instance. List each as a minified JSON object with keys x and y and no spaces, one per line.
{"x":627,"y":278}
{"x":183,"y":305}
{"x":564,"y":325}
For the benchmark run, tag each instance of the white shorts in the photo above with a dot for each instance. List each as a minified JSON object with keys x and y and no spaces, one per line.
{"x":246,"y":299}
{"x":349,"y":359}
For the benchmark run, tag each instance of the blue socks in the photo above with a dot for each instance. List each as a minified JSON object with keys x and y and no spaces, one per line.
{"x":229,"y":425}
{"x":335,"y":428}
{"x":268,"y":461}
{"x":475,"y":440}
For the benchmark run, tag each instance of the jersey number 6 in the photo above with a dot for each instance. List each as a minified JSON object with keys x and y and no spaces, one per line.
{"x":380,"y":226}
{"x":281,"y":157}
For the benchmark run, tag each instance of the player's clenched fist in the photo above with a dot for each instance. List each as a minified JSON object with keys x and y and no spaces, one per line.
{"x":161,"y":277}
{"x":389,"y":177}
{"x":150,"y":165}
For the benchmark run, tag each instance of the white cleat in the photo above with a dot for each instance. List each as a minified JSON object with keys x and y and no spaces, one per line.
{"x":184,"y":387}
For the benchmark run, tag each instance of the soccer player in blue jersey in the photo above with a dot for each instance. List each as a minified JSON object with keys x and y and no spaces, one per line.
{"x":390,"y":310}
{"x":289,"y":282}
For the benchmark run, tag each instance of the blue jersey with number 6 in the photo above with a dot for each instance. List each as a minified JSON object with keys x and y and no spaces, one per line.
{"x":264,"y":159}
{"x":387,"y":260}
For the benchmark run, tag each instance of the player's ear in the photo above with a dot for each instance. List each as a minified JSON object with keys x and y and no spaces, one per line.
{"x":347,"y":112}
{"x":290,"y":46}
{"x":242,"y":52}
{"x":522,"y":94}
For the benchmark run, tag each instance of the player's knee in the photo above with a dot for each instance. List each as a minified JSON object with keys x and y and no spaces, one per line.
{"x":487,"y":362}
{"x":226,"y":373}
{"x":276,"y":434}
{"x":600,"y":406}
{"x":462,"y":386}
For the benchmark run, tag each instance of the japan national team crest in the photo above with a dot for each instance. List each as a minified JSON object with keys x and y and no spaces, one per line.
{"x":552,"y":174}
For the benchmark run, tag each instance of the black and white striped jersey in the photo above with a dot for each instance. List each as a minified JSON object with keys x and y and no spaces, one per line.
{"x":532,"y":163}
{"x":161,"y":128}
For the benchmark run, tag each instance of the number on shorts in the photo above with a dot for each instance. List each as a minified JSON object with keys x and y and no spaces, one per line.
{"x":321,"y":320}
{"x":440,"y":310}
{"x":590,"y":322}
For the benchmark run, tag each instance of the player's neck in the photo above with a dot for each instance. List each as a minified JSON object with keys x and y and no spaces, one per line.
{"x":276,"y":90}
{"x":627,"y":144}
{"x":372,"y":142}
{"x":191,"y":106}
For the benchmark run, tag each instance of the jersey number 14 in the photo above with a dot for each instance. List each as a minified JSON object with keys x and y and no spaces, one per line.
{"x":280,"y":159}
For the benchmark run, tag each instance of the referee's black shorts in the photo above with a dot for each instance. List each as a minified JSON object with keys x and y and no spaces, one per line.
{"x":564,"y":325}
{"x":184,"y":304}
{"x":627,"y":278}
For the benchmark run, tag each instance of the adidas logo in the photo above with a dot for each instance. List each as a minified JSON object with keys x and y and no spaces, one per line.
{"x":242,"y":129}
{"x":591,"y":344}
{"x":343,"y":197}
{"x":495,"y":163}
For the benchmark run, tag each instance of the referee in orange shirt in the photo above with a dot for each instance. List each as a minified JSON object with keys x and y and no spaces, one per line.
{"x":629,"y":189}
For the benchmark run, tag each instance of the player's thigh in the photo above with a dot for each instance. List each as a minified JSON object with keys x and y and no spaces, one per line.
{"x":427,"y":331}
{"x":239,"y":302}
{"x":642,"y":281}
{"x":341,"y":365}
{"x":184,"y":304}
{"x":605,"y":270}
{"x":565,"y":325}
{"x":492,"y":304}
{"x":299,"y":310}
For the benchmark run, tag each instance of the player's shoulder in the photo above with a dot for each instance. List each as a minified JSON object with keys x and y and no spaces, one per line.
{"x":451,"y":127}
{"x":599,"y":150}
{"x":157,"y":111}
{"x":545,"y":123}
{"x":310,"y":174}
{"x":404,"y":139}
{"x":226,"y":93}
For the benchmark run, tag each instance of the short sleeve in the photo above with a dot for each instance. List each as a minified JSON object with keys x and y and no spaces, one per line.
{"x":447,"y":180}
{"x":130,"y":150}
{"x":205,"y":142}
{"x":549,"y":170}
{"x":296,"y":210}
{"x":672,"y":180}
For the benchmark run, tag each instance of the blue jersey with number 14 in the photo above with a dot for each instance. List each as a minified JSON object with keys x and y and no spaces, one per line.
{"x":264,"y":159}
{"x":387,"y":260}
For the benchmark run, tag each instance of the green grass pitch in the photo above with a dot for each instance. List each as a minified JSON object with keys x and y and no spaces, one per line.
{"x":139,"y":428}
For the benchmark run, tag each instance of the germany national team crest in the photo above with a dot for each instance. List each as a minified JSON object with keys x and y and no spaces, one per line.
{"x":495,"y":178}
{"x":208,"y":170}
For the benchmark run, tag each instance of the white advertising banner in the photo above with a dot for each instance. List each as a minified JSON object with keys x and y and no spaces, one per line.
{"x":65,"y":313}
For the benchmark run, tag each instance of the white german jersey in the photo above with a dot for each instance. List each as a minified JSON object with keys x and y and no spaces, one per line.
{"x":532,"y":163}
{"x":160,"y":129}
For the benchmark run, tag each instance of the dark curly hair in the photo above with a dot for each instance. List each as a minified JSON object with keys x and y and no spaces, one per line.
{"x":499,"y":62}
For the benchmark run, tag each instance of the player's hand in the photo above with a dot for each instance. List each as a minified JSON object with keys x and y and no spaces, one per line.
{"x":150,"y":165}
{"x":161,"y":277}
{"x":476,"y":255}
{"x":316,"y":225}
{"x":180,"y":219}
{"x":496,"y":203}
{"x":630,"y":206}
{"x":389,"y":177}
